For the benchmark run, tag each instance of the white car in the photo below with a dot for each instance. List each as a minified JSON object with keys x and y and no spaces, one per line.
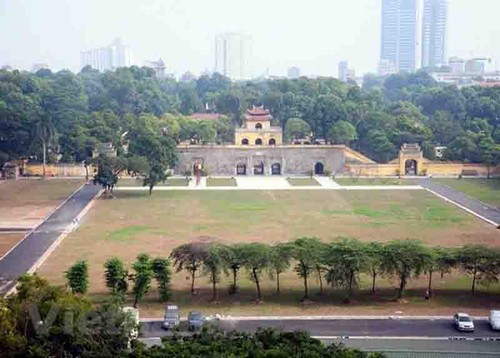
{"x":463,"y":322}
{"x":495,"y":320}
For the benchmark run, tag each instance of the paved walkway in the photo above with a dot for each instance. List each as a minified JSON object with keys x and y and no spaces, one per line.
{"x":327,"y":182}
{"x":27,"y":252}
{"x":463,"y":201}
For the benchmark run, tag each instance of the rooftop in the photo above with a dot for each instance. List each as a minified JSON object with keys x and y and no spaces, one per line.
{"x":258,"y":114}
{"x":205,"y":116}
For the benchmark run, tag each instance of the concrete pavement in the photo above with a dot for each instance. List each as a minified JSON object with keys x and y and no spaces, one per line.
{"x":463,"y":201}
{"x":28,"y":252}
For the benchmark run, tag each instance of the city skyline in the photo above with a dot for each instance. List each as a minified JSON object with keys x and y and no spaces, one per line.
{"x":434,"y":34}
{"x":313,"y":37}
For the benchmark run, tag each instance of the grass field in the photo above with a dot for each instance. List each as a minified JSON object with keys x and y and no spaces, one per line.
{"x":221,"y":182}
{"x":486,"y":190}
{"x":24,"y":202}
{"x":131,"y":182}
{"x":7,"y":241}
{"x":302,"y":182}
{"x":134,"y":222}
{"x":373,"y":181}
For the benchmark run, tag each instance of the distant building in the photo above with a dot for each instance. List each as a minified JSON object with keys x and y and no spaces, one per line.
{"x":456,"y":65}
{"x":399,"y":34}
{"x":343,"y":68}
{"x":39,"y":66}
{"x":233,"y":52}
{"x":476,"y":66}
{"x":187,"y":77}
{"x":6,"y":68}
{"x":434,"y":26}
{"x":107,"y":58}
{"x":158,"y":66}
{"x":205,"y":116}
{"x":386,"y":68}
{"x":293,"y":73}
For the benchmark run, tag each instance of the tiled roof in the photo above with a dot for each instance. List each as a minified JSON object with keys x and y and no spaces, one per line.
{"x":205,"y":116}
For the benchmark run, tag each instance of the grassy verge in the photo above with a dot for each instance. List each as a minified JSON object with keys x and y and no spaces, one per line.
{"x":302,"y":182}
{"x":133,"y":182}
{"x":221,"y":182}
{"x":486,"y":190}
{"x":373,"y":181}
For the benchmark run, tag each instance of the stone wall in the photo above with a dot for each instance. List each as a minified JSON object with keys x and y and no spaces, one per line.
{"x":57,"y":170}
{"x":291,"y":160}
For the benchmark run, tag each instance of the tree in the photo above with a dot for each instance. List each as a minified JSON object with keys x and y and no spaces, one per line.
{"x":138,"y":166}
{"x":257,"y":260}
{"x":212,"y":265}
{"x":307,"y":252}
{"x":78,"y":277}
{"x":162,"y":274}
{"x":157,"y":174}
{"x":296,"y":128}
{"x":342,"y":132}
{"x":189,"y":257}
{"x":404,"y":259}
{"x":116,"y":276}
{"x":373,"y":261}
{"x":143,"y":272}
{"x":233,"y":257}
{"x":280,"y":256}
{"x":480,"y":262}
{"x":107,"y":172}
{"x":44,"y":131}
{"x":345,"y":259}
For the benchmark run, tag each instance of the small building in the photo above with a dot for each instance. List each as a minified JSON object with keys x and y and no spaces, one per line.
{"x":10,"y":170}
{"x":257,"y":129}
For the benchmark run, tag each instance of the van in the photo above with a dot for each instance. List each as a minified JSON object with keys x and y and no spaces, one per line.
{"x":495,"y":320}
{"x":172,"y":317}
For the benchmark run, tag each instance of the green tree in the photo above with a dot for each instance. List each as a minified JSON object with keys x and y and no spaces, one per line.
{"x":257,"y":260}
{"x":233,"y":257}
{"x":78,"y":277}
{"x":307,"y":251}
{"x":116,"y":276}
{"x":157,"y":174}
{"x":342,"y":132}
{"x":404,"y":259}
{"x":189,"y":257}
{"x":480,"y":262}
{"x":138,"y":166}
{"x":143,"y":272}
{"x":296,"y":128}
{"x":107,"y":172}
{"x":44,"y":131}
{"x":212,"y":266}
{"x":373,"y":261}
{"x":345,"y":259}
{"x":280,"y":256}
{"x":162,"y":274}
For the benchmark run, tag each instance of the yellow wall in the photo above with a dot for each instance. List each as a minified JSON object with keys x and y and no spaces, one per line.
{"x":263,"y":135}
{"x":59,"y":170}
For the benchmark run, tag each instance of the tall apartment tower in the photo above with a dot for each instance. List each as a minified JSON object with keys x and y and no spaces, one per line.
{"x":107,"y":58}
{"x":343,"y":69}
{"x":434,"y":33}
{"x":399,"y":34}
{"x":233,"y":52}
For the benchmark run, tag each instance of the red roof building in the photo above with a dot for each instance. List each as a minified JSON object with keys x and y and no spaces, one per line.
{"x":205,"y":116}
{"x":258,"y":114}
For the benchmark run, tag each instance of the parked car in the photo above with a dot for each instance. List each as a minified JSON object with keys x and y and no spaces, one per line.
{"x":172,"y":317}
{"x":463,"y":322}
{"x":133,"y":314}
{"x":495,"y":320}
{"x":195,"y":320}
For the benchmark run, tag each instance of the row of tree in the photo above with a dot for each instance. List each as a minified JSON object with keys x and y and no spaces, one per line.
{"x":70,"y":114}
{"x":41,"y":320}
{"x":339,"y":263}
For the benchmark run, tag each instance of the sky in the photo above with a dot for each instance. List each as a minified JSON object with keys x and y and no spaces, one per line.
{"x":313,"y":35}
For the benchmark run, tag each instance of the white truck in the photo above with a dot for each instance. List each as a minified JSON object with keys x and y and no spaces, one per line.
{"x":495,"y":320}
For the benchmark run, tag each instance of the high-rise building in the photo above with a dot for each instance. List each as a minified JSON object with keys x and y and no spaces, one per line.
{"x":107,"y":58}
{"x":293,"y":72}
{"x":39,"y":66}
{"x":233,"y":52}
{"x":399,"y":34}
{"x":343,"y":69}
{"x":434,"y":33}
{"x":158,"y":66}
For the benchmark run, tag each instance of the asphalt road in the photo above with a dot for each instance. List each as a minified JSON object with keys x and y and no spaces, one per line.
{"x":31,"y":248}
{"x":458,"y":197}
{"x":438,"y":328}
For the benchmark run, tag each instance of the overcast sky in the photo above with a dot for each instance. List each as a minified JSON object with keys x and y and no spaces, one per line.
{"x":314,"y":34}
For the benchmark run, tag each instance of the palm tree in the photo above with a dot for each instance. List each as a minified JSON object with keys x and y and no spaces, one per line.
{"x":44,"y":131}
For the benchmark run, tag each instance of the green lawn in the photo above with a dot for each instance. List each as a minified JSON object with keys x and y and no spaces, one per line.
{"x":302,"y":182}
{"x":135,"y":222}
{"x":131,"y":182}
{"x":486,"y":190}
{"x":221,"y":182}
{"x":372,"y":181}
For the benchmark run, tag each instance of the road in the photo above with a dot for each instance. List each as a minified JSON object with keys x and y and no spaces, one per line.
{"x":398,"y":328}
{"x":478,"y":207}
{"x":23,"y":256}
